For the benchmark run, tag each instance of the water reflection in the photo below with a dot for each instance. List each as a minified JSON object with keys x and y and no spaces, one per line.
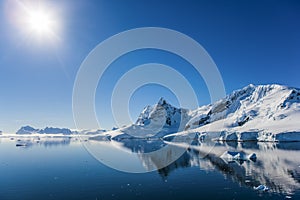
{"x":46,"y":141}
{"x":277,"y":164}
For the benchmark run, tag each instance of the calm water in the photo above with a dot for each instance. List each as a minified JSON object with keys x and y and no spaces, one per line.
{"x":61,"y":168}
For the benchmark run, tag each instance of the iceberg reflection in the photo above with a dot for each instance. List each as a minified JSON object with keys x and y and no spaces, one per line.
{"x":274,"y":165}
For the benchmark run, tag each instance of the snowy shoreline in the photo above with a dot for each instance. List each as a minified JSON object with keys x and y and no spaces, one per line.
{"x":235,"y":136}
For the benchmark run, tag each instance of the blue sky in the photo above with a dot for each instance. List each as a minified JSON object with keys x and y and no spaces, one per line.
{"x":250,"y":41}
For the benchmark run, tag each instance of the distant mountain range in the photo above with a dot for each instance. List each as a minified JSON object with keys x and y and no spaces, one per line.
{"x":263,"y":113}
{"x":47,"y":130}
{"x":51,"y":130}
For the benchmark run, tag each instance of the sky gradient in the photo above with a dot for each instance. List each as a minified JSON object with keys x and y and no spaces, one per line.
{"x":250,"y":41}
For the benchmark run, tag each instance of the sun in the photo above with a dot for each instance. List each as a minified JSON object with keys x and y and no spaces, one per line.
{"x":37,"y":19}
{"x":40,"y":22}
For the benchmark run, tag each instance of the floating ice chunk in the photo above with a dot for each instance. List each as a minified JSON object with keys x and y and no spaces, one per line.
{"x":238,"y":156}
{"x":261,"y":188}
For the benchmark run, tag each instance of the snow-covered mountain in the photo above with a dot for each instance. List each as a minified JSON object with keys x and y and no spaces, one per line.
{"x":259,"y":113}
{"x":263,"y":112}
{"x":51,"y":130}
{"x":27,"y":130}
{"x":156,"y":121}
{"x":164,"y":114}
{"x":47,"y":130}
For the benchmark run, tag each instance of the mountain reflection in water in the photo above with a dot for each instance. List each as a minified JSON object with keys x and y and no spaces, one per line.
{"x":277,"y":164}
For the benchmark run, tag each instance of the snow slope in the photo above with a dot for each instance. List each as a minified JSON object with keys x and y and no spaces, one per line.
{"x":27,"y":130}
{"x":259,"y":113}
{"x":155,"y":121}
{"x":162,"y":112}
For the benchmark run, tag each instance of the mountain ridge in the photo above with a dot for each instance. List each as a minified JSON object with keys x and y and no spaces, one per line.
{"x":262,"y":112}
{"x":251,"y":113}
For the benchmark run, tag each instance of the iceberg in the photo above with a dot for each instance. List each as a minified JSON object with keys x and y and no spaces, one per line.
{"x":261,"y":188}
{"x":230,"y":156}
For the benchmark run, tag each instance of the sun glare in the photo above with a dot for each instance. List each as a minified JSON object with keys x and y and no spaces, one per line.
{"x":37,"y":19}
{"x":40,"y":22}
